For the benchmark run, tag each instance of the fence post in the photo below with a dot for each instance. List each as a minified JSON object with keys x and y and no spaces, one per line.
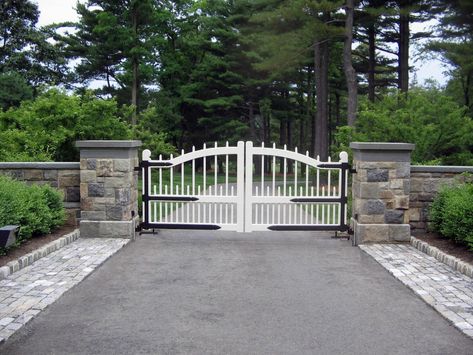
{"x":380,"y":192}
{"x":108,"y":188}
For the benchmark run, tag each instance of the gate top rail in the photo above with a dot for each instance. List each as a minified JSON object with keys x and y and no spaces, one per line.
{"x":229,"y":150}
{"x":192,"y":155}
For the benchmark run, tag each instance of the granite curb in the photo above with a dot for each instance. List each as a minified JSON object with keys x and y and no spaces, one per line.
{"x":35,"y":255}
{"x":454,"y":262}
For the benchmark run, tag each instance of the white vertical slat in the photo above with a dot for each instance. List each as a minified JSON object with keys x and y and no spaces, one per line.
{"x":256,"y":214}
{"x":248,"y":181}
{"x":232,"y":216}
{"x":215,"y":170}
{"x":312,"y":208}
{"x":335,"y":206}
{"x":220,"y":207}
{"x":262,"y":171}
{"x":193,"y":172}
{"x":301,"y":209}
{"x":307,"y":176}
{"x":215,"y":221}
{"x":284,"y":172}
{"x":226,"y":172}
{"x":204,"y":170}
{"x":290,"y":212}
{"x":295,"y":174}
{"x":198,"y":213}
{"x":171,"y":177}
{"x":188,"y":208}
{"x":284,"y":207}
{"x":262,"y":213}
{"x":274,"y":170}
{"x":317,"y":187}
{"x":240,"y":189}
{"x":329,"y":178}
{"x":165,"y":204}
{"x":155,"y":210}
{"x":226,"y":213}
{"x":279,"y":213}
{"x":182,"y":174}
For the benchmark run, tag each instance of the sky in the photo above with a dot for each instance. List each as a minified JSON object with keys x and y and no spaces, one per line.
{"x":63,"y":10}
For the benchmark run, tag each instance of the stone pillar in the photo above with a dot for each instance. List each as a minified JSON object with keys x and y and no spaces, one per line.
{"x":108,"y":188}
{"x":381,"y":189}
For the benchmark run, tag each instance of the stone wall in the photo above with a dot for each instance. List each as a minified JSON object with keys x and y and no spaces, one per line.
{"x":63,"y":176}
{"x":426,"y":182}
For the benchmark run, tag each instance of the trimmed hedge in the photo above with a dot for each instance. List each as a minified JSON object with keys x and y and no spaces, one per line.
{"x":451,"y":213}
{"x":36,"y":209}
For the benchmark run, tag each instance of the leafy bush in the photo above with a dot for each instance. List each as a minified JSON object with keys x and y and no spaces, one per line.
{"x":37,"y":209}
{"x":439,"y":127}
{"x":451,"y":213}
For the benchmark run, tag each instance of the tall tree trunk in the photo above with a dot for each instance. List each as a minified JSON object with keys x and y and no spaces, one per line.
{"x":403,"y":52}
{"x":321,"y":59}
{"x":371,"y":62}
{"x":350,"y":73}
{"x":135,"y":74}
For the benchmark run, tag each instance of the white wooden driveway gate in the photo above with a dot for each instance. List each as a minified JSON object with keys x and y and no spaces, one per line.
{"x":257,"y":188}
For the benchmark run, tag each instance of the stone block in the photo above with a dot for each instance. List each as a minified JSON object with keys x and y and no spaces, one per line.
{"x":65,"y":181}
{"x":50,"y":175}
{"x":399,"y":232}
{"x":14,"y":174}
{"x":109,"y":192}
{"x":116,"y":182}
{"x":122,"y":196}
{"x":386,"y":194}
{"x":104,"y":167}
{"x":33,"y":175}
{"x":91,"y":164}
{"x":123,"y":165}
{"x":116,"y":213}
{"x":403,"y":171}
{"x":417,"y":184}
{"x":396,"y":183}
{"x":371,"y":233}
{"x":394,"y":217}
{"x":108,"y":229}
{"x":414,"y":214}
{"x":72,"y":194}
{"x":88,"y":176}
{"x":371,"y":207}
{"x":426,"y":197}
{"x":377,"y":175}
{"x":401,"y":203}
{"x":369,"y":190}
{"x":93,"y":215}
{"x":96,"y":190}
{"x":371,"y":219}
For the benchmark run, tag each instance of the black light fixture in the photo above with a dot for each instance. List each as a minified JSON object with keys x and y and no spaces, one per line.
{"x":8,"y":235}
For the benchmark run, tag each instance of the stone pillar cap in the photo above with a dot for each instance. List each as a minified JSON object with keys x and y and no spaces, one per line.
{"x":382,"y":146}
{"x":108,"y":144}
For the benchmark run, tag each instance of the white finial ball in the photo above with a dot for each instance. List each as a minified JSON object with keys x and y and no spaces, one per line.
{"x":344,"y":157}
{"x":146,"y":155}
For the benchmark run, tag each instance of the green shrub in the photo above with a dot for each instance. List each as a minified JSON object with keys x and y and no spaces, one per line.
{"x":452,"y":213}
{"x":37,"y":209}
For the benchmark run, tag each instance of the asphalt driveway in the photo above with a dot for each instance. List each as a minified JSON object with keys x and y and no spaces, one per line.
{"x":227,"y":293}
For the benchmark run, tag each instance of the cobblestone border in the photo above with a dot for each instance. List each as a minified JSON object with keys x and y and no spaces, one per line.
{"x":455,"y":263}
{"x":30,"y":258}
